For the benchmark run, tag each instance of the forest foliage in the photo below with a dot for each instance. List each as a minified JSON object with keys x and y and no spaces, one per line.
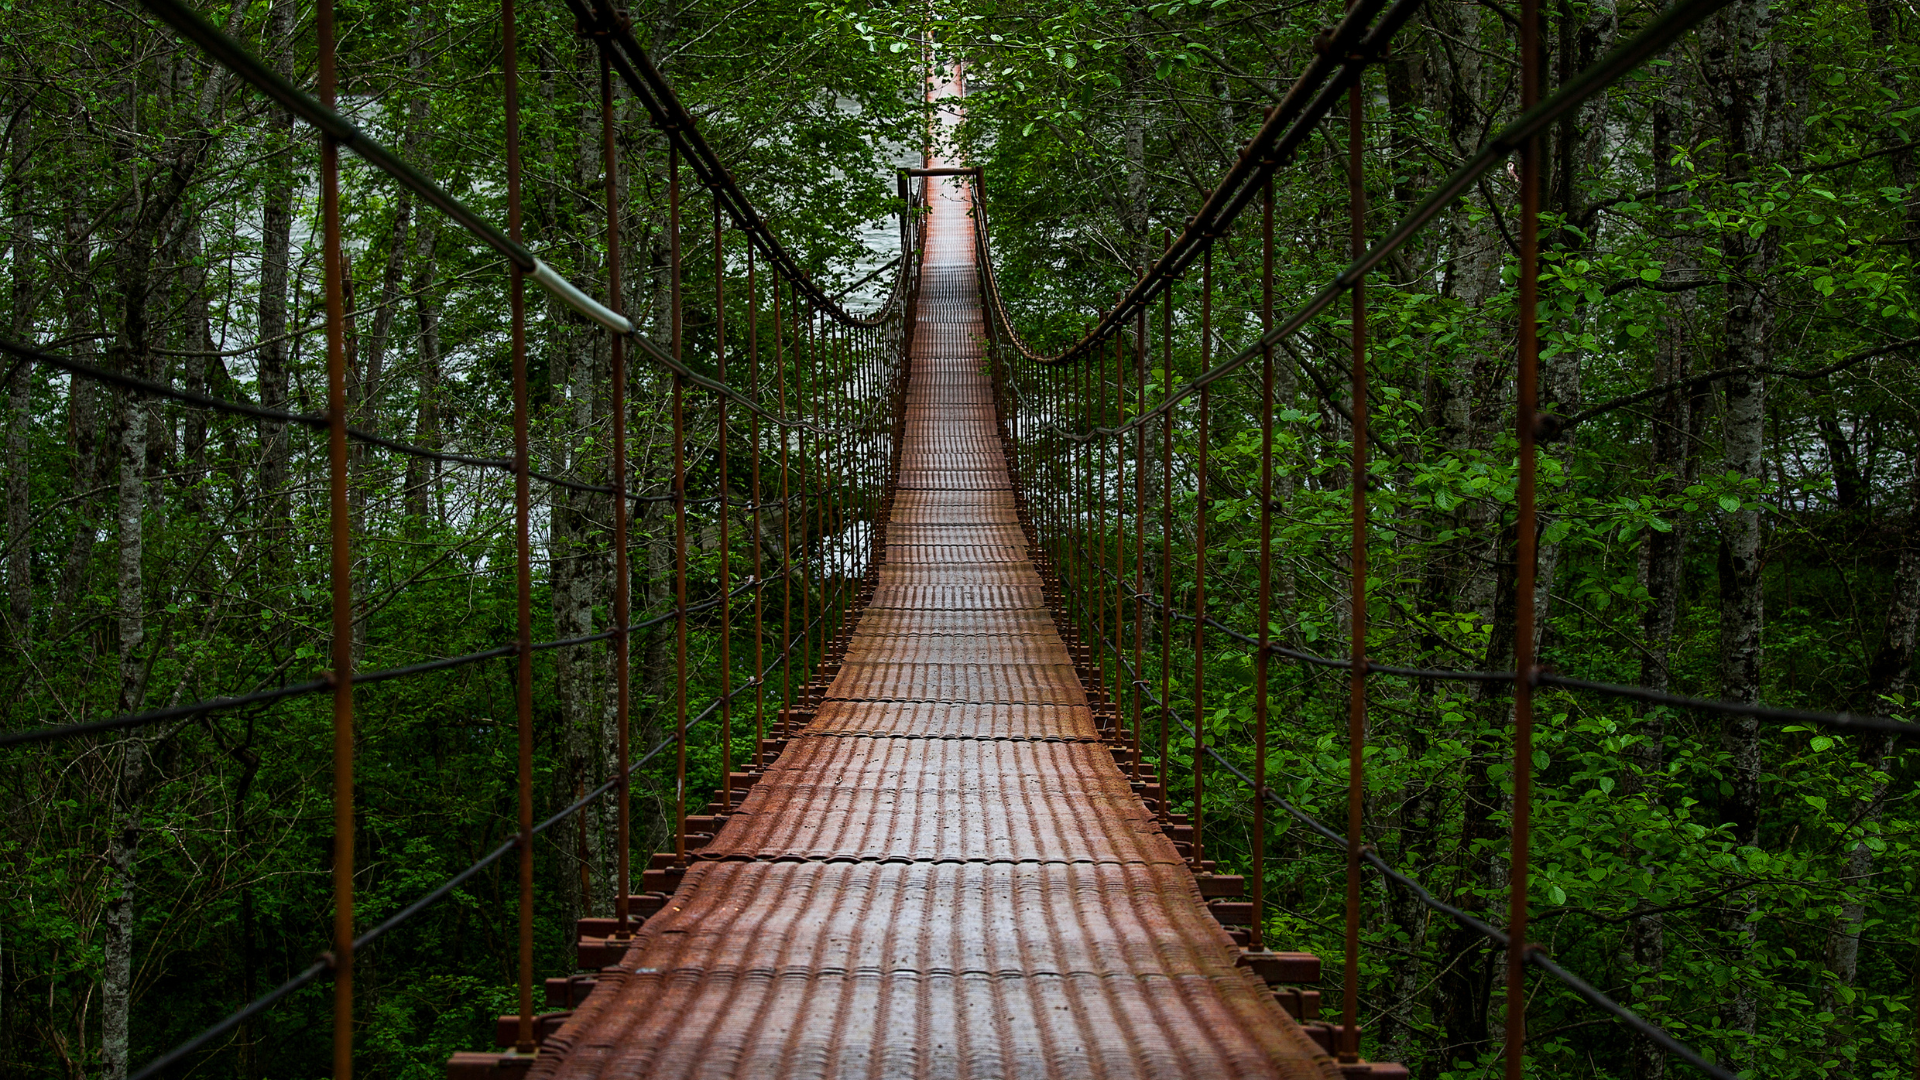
{"x":1731,"y":493}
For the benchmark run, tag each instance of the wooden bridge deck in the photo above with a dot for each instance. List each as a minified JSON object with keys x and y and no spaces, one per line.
{"x":944,"y":874}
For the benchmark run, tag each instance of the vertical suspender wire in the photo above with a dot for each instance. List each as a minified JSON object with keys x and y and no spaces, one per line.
{"x":1139,"y":540}
{"x":1069,"y":497}
{"x":832,"y":474}
{"x":1074,"y":585}
{"x":820,"y":368}
{"x":846,"y":404}
{"x":835,"y":405}
{"x":341,"y":568}
{"x":1200,"y":569}
{"x":803,"y":346}
{"x":808,"y":530}
{"x":523,"y":527}
{"x":1262,"y":655}
{"x":1089,"y":586}
{"x":1092,"y":552}
{"x":1094,"y":549}
{"x":1523,"y":658}
{"x":824,"y":449}
{"x":786,"y":516}
{"x":622,"y":574}
{"x":828,"y":450}
{"x":1166,"y":554}
{"x":1119,"y":539}
{"x":1076,"y":509}
{"x":1066,"y":467}
{"x":1357,"y":682}
{"x":679,"y":512}
{"x":759,"y":589}
{"x":1063,"y":506}
{"x":1120,"y":525}
{"x":726,"y":554}
{"x":833,"y":412}
{"x":1097,"y":511}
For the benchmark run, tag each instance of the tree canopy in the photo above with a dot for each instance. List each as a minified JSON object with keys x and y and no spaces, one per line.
{"x":1730,"y":490}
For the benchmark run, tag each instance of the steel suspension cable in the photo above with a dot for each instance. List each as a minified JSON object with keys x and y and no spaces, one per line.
{"x":230,"y":54}
{"x":1671,"y":23}
{"x":360,"y":678}
{"x":321,"y":967}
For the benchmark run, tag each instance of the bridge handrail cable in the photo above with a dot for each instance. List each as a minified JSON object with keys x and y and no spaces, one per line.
{"x":1535,"y":954}
{"x":360,"y":678}
{"x":324,"y":965}
{"x":1541,"y":677}
{"x":668,"y":113}
{"x":1343,"y":55}
{"x":1675,"y":20}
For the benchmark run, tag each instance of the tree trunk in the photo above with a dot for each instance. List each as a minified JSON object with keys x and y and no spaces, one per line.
{"x":19,"y":399}
{"x":417,"y":485}
{"x":123,"y":847}
{"x":1673,"y":462}
{"x":1742,"y":60}
{"x":276,"y":232}
{"x":90,"y":456}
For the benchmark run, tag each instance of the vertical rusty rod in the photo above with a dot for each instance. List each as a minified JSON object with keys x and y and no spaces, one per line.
{"x":1524,"y":553}
{"x":679,"y":512}
{"x":1200,"y":568}
{"x":1097,"y":512}
{"x":804,"y":386}
{"x":1120,"y":540}
{"x":786,"y":515}
{"x":341,"y":568}
{"x":622,"y":577}
{"x":753,"y":440}
{"x":1094,"y":549}
{"x":1139,"y":544}
{"x":1139,"y":540}
{"x":1357,"y":682}
{"x":726,"y":553}
{"x":523,"y":527}
{"x":1263,"y":654}
{"x":834,"y":405}
{"x":1166,"y":552}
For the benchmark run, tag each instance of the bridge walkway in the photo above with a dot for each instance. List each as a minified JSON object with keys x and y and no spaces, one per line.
{"x":943,"y":873}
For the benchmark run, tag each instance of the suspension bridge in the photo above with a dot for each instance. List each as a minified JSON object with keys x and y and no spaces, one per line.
{"x":952,"y":852}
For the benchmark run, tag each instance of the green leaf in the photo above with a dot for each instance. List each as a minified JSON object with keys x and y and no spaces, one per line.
{"x":1556,"y":894}
{"x":1651,"y":273}
{"x":1730,"y":503}
{"x":1821,"y":743}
